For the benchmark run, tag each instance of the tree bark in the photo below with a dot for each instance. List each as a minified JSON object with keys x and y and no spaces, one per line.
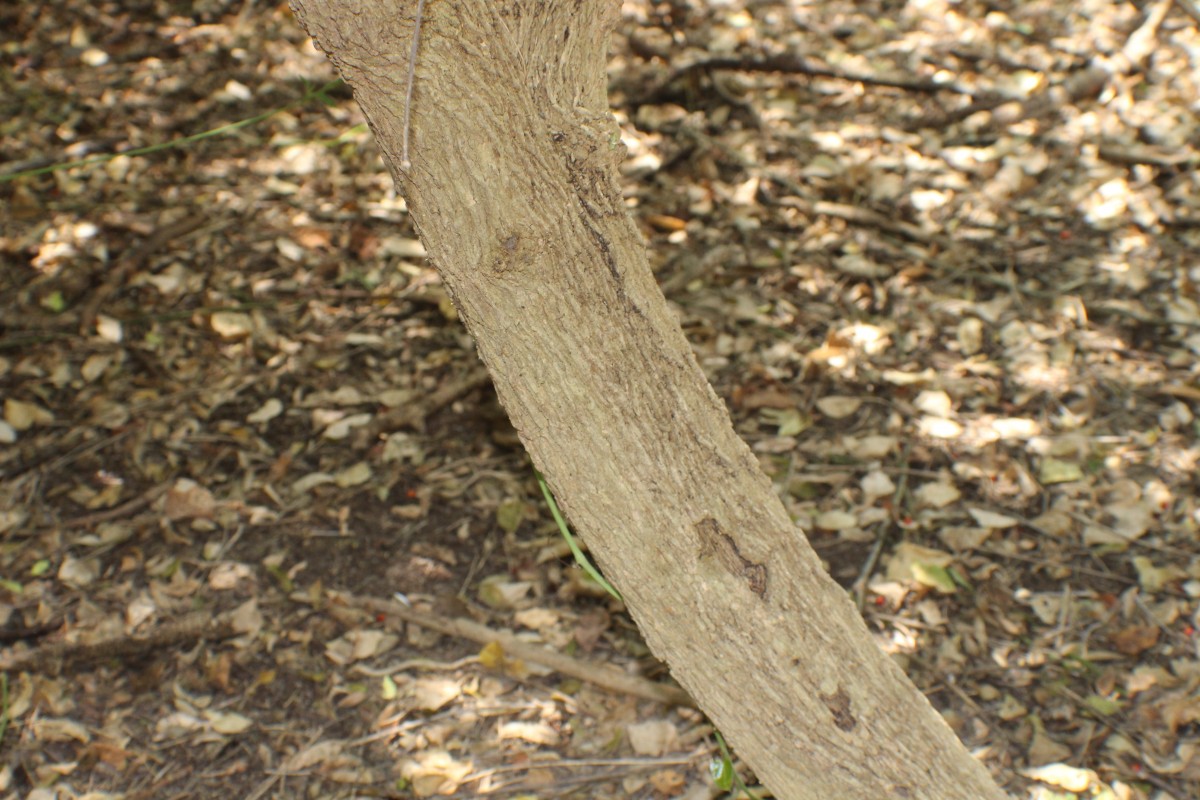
{"x":513,"y":189}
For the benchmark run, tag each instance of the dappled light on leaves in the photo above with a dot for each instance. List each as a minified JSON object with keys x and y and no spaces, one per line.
{"x":941,"y":268}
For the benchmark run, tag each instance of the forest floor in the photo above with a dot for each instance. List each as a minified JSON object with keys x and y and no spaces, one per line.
{"x":941,"y":259}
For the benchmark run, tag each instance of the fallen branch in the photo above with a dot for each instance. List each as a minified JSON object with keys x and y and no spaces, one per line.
{"x":602,"y":675}
{"x":117,"y":512}
{"x":1079,"y":86}
{"x":792,"y":64}
{"x":801,"y":196}
{"x":414,"y":414}
{"x":60,"y":656}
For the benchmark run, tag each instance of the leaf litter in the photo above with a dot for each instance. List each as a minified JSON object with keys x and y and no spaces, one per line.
{"x":938,"y":258}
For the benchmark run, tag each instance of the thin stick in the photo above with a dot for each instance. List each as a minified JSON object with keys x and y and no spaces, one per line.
{"x":603,"y":675}
{"x":405,"y":163}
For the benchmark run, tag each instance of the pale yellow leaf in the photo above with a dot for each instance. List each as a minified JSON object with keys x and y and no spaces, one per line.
{"x":875,"y":485}
{"x":990,"y":519}
{"x":78,"y":571}
{"x":1016,"y":428}
{"x":500,"y":593}
{"x":267,"y":412}
{"x":939,"y":428}
{"x":534,"y":732}
{"x":937,"y":494}
{"x":355,"y":475}
{"x":1073,"y":779}
{"x":109,"y":329}
{"x":959,"y":537}
{"x":870,"y":448}
{"x":246,"y":618}
{"x":232,"y":325}
{"x":94,"y":366}
{"x":934,"y":403}
{"x":839,"y":407}
{"x":433,"y":694}
{"x":341,"y":428}
{"x":22,"y":416}
{"x":835,"y":520}
{"x":311,"y":481}
{"x":227,"y":722}
{"x":1053,"y":471}
{"x":1054,"y":523}
{"x":537,"y":618}
{"x":970,"y":336}
{"x":653,"y":737}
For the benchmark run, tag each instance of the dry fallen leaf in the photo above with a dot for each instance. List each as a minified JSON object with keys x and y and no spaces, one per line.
{"x":1073,"y":779}
{"x":228,"y":722}
{"x":668,"y":782}
{"x":435,"y":772}
{"x":22,"y":416}
{"x":232,"y":325}
{"x":990,"y":519}
{"x":652,"y":737}
{"x":433,"y":694}
{"x":1134,"y":639}
{"x":186,"y":499}
{"x":268,"y":411}
{"x":839,"y":407}
{"x":937,"y":495}
{"x":538,"y":733}
{"x":835,"y":520}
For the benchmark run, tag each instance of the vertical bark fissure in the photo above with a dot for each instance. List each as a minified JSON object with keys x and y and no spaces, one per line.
{"x":549,"y":273}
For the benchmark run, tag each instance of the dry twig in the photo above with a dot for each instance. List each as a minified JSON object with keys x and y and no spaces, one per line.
{"x":60,"y":656}
{"x":602,"y":675}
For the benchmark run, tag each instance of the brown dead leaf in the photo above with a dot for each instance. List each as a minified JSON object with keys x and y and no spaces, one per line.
{"x":590,"y":627}
{"x":312,"y":238}
{"x":110,"y":754}
{"x":1135,"y":639}
{"x":768,"y":398}
{"x":665,"y":223}
{"x":187,"y":500}
{"x":668,"y":782}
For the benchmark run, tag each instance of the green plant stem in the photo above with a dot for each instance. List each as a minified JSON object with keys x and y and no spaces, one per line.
{"x":580,"y":558}
{"x":309,"y":96}
{"x":737,"y":779}
{"x":3,"y":705}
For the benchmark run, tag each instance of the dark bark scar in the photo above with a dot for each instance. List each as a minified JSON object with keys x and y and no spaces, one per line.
{"x":714,"y":542}
{"x":838,"y":704}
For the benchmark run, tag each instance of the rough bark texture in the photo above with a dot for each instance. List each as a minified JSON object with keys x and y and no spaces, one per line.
{"x":513,"y":188}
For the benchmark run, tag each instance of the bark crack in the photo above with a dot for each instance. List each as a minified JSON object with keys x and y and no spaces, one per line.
{"x":714,"y":542}
{"x":838,"y":704}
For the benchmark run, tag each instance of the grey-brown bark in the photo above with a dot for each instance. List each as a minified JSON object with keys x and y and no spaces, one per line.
{"x":513,"y":189}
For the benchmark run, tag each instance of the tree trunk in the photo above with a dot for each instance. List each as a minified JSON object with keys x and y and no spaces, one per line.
{"x":513,"y":189}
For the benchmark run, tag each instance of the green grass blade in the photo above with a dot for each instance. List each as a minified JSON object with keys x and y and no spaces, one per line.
{"x":580,"y":558}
